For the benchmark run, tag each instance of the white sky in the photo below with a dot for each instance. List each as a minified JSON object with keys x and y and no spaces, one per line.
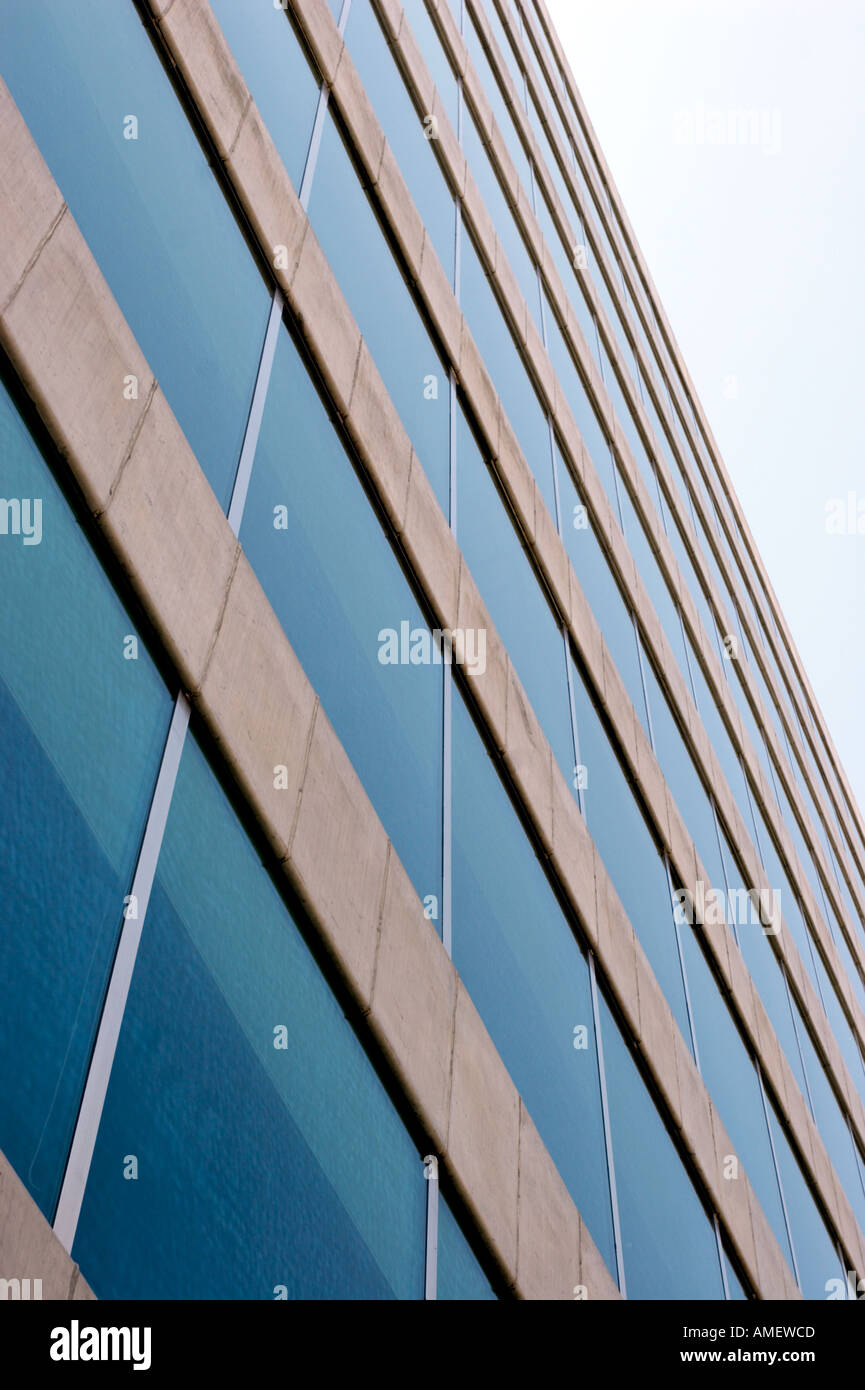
{"x":757,"y":256}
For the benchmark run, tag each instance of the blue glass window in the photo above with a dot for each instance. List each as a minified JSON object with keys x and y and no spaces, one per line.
{"x":668,"y":1241}
{"x":527,"y":977}
{"x":459,"y":1276}
{"x":271,"y":1161}
{"x":631,"y":857}
{"x":507,"y":370}
{"x":359,"y":632}
{"x":275,"y":69}
{"x":404,"y":129}
{"x":511,"y":591}
{"x":382,"y":304}
{"x":83,"y":719}
{"x":138,"y":184}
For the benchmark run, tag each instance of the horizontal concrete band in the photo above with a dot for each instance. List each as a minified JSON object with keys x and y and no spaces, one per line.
{"x":342,"y":903}
{"x":765,"y":599}
{"x":594,"y":494}
{"x":536,"y":522}
{"x":33,"y":1263}
{"x":72,"y":349}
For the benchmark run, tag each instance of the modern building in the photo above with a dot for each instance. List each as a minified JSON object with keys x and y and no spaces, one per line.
{"x":425,"y":871}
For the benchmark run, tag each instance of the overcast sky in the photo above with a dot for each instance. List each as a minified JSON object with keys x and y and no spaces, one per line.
{"x":756,"y":251}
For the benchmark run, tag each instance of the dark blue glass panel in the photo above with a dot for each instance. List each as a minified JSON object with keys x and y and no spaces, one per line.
{"x":149,"y":207}
{"x":276,"y":71}
{"x":668,"y":1242}
{"x":337,"y":588}
{"x":382,"y":304}
{"x":520,"y":962}
{"x":82,"y":727}
{"x":271,"y":1162}
{"x":511,"y":591}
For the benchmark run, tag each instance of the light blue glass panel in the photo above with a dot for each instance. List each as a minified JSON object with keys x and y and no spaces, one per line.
{"x":507,"y":370}
{"x":832,"y":1125}
{"x":526,"y":975}
{"x":681,"y":777}
{"x":511,"y":591}
{"x":603,"y":594}
{"x":277,"y":73}
{"x":434,"y":55}
{"x":816,"y":1255}
{"x":620,"y":831}
{"x":404,"y":129}
{"x":270,"y":1156}
{"x":382,"y":304}
{"x":496,"y":204}
{"x":502,"y":115}
{"x":668,"y":1241}
{"x":149,"y":208}
{"x":583,"y":411}
{"x":83,"y":719}
{"x":731,"y":1080}
{"x":459,"y":1276}
{"x":360,"y":634}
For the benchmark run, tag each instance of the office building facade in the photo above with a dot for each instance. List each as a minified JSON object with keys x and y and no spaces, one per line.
{"x":426,"y":872}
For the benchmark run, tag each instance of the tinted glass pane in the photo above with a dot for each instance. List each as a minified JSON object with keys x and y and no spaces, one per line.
{"x":719,"y":737}
{"x":359,"y":633}
{"x":731,"y":1080}
{"x":762,"y":963}
{"x":587,"y":421}
{"x":434,"y":56}
{"x":832,"y":1126}
{"x":668,"y":1242}
{"x":603,"y":594}
{"x":382,"y":304}
{"x":149,"y":208}
{"x":654,"y":581}
{"x":403,"y":128}
{"x":527,"y":977}
{"x":493,"y":94}
{"x":82,"y":726}
{"x":734,"y":1287}
{"x":630,"y":856}
{"x":505,"y":366}
{"x":506,"y":228}
{"x":458,"y":1274}
{"x":275,"y":69}
{"x":510,"y":589}
{"x":816,"y":1255}
{"x":681,"y":777}
{"x":270,"y":1156}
